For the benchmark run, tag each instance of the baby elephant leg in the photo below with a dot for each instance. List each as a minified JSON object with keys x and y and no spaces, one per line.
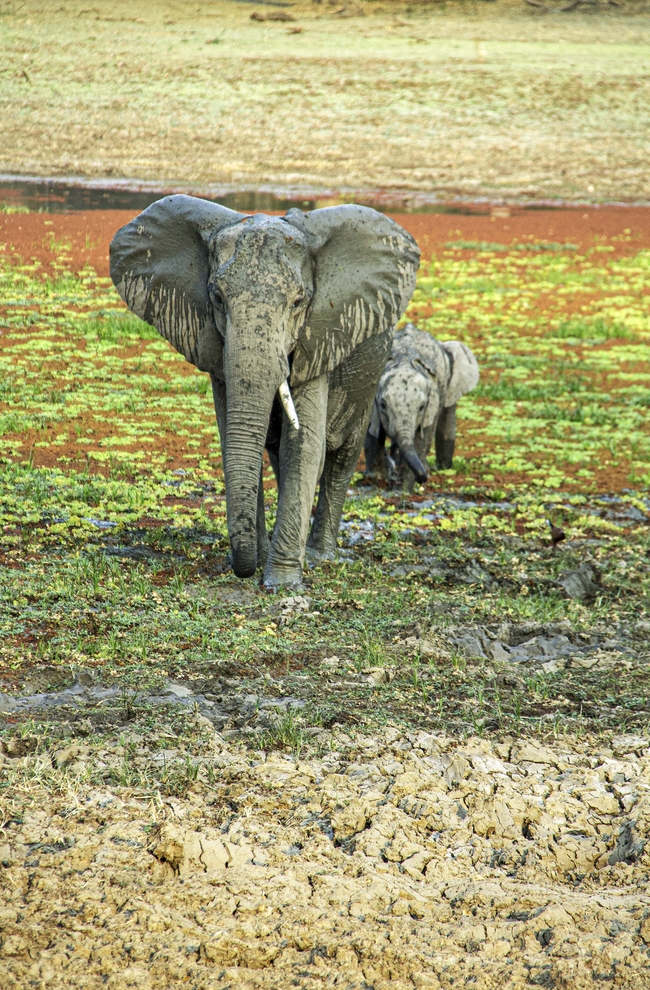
{"x":446,"y":438}
{"x":373,"y":449}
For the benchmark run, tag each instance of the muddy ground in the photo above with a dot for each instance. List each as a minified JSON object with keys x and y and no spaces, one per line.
{"x":454,"y":99}
{"x":394,"y":861}
{"x":431,"y":771}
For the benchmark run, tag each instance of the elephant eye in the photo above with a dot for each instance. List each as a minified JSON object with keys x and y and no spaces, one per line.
{"x":298,"y":302}
{"x":216,"y":296}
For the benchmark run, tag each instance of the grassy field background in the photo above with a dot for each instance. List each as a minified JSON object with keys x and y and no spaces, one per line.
{"x":468,"y":99}
{"x":113,"y":502}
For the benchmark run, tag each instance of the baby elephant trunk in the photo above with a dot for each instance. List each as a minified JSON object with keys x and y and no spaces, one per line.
{"x":417,"y":467}
{"x":409,"y":453}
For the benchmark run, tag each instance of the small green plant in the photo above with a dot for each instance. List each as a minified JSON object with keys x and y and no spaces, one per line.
{"x":515,"y":246}
{"x":578,"y":328}
{"x":117,"y":326}
{"x":286,"y":733}
{"x":12,"y":208}
{"x":371,"y":652}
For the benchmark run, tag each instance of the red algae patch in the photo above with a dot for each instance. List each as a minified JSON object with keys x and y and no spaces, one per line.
{"x":89,"y":233}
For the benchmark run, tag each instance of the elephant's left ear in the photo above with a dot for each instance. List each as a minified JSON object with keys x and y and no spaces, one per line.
{"x":365,"y":266}
{"x":464,"y":371}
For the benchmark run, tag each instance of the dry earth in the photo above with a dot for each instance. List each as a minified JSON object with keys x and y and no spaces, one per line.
{"x":402,"y":861}
{"x":451,"y":99}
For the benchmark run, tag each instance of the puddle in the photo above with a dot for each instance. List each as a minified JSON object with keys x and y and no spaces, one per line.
{"x":70,"y":195}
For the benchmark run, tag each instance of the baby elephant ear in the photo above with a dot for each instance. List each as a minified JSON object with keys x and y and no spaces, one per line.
{"x":364,"y":275}
{"x":464,"y":371}
{"x":159,"y":264}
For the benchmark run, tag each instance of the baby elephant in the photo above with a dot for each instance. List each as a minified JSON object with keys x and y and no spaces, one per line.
{"x":415,"y":401}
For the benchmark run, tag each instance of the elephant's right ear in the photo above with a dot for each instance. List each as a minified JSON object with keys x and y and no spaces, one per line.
{"x":160,"y":267}
{"x":365,"y":266}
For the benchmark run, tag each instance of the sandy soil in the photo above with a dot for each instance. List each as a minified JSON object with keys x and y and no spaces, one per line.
{"x":482,"y":99}
{"x":407,"y":861}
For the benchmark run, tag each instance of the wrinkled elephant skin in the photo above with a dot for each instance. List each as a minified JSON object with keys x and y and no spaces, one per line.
{"x":293,"y":319}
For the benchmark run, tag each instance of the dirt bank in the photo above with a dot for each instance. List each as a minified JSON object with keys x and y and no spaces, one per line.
{"x":406,"y":861}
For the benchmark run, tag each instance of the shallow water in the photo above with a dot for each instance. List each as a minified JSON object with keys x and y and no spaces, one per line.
{"x":67,"y":195}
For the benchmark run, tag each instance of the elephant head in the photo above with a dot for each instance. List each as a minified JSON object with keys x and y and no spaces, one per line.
{"x":264,"y":304}
{"x":422,"y":378}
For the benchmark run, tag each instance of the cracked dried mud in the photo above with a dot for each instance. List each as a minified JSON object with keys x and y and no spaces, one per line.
{"x":400,"y":860}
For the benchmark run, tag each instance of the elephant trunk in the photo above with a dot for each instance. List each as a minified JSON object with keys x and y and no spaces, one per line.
{"x":252,"y":379}
{"x":245,"y":437}
{"x":410,"y":455}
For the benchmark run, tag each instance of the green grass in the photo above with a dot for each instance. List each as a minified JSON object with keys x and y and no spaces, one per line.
{"x":561,"y":336}
{"x":13,"y":208}
{"x":489,"y":246}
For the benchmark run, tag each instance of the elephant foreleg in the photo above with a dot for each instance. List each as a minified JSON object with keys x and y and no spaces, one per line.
{"x":300,"y":464}
{"x":219,"y":397}
{"x":446,"y":438}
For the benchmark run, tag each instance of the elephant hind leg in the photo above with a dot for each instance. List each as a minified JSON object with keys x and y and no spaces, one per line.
{"x":339,"y":467}
{"x":446,"y":438}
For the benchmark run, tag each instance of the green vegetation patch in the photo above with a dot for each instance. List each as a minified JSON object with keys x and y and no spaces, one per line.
{"x":563,"y":343}
{"x":114,"y":549}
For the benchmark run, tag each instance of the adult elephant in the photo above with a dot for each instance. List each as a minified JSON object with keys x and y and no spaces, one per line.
{"x":293,"y":319}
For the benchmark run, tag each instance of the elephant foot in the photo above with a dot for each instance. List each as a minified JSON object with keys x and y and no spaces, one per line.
{"x":315,"y":555}
{"x":276,"y":577}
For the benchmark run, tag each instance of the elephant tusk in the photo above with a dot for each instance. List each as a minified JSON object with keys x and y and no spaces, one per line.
{"x":288,"y":406}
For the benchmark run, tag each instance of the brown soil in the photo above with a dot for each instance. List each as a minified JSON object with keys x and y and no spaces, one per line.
{"x":400,"y":862}
{"x":89,"y":234}
{"x":29,"y":236}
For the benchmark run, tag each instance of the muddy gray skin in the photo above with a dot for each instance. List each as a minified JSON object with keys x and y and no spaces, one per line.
{"x":416,"y":402}
{"x":292,"y":317}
